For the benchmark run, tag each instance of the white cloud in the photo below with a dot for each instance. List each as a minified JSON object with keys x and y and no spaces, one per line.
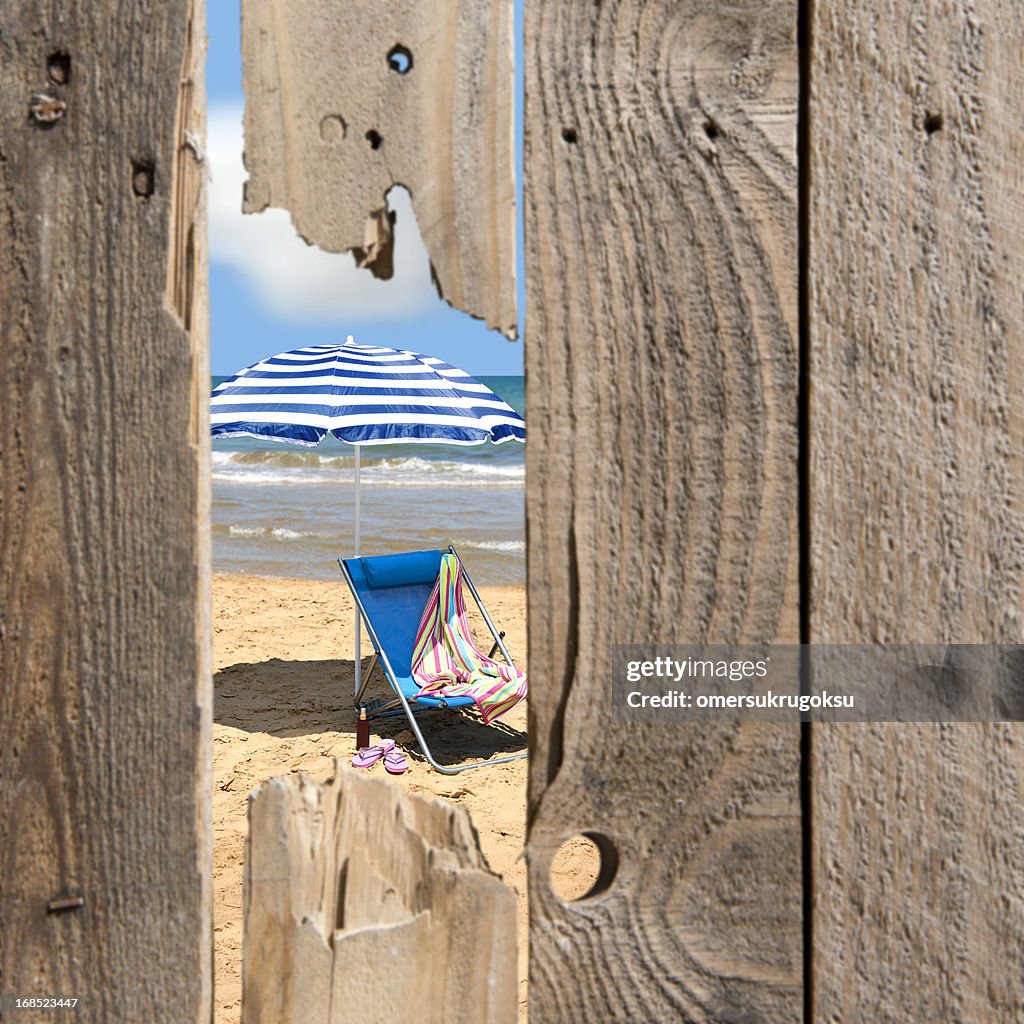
{"x":290,"y":277}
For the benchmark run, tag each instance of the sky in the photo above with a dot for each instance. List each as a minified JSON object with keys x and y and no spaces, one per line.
{"x":270,"y":292}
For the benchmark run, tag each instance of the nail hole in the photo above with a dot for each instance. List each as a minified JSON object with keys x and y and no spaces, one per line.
{"x":374,"y":139}
{"x":333,"y":128}
{"x":711,"y":129}
{"x":932,"y":123}
{"x":584,"y":867}
{"x":570,"y":136}
{"x":58,"y":68}
{"x":400,"y":59}
{"x":143,"y":177}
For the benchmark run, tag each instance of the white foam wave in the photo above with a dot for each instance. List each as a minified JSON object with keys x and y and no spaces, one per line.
{"x":506,"y":546}
{"x":426,"y":466}
{"x":298,"y":459}
{"x":280,"y":532}
{"x":250,"y":477}
{"x":304,"y":468}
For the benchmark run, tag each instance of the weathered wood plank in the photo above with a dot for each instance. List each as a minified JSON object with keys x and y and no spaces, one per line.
{"x":332,"y":122}
{"x":363,"y":902}
{"x":660,"y":194}
{"x":104,"y":626}
{"x":917,"y":471}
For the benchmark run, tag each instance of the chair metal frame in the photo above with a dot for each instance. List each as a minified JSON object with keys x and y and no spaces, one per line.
{"x":400,"y":705}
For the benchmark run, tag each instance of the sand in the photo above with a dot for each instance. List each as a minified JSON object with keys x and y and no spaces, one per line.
{"x":283,"y":703}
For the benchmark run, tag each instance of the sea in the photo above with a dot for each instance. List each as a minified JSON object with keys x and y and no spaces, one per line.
{"x":285,"y":510}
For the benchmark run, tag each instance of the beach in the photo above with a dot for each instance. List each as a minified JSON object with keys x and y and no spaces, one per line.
{"x":283,"y":677}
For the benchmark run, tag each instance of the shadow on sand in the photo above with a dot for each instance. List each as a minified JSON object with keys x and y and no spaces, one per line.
{"x":306,"y":698}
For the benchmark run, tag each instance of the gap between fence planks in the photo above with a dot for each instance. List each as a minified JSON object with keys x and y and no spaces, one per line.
{"x":345,"y":100}
{"x":661,"y":353}
{"x":917,"y":471}
{"x":105,"y":699}
{"x":366,"y":903}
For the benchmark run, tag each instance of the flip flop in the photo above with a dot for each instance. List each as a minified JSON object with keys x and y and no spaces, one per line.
{"x":395,"y":763}
{"x":367,"y":757}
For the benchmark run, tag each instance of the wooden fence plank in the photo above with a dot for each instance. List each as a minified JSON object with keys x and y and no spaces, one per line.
{"x":382,"y":93}
{"x":365,"y":903}
{"x":660,"y":192}
{"x":917,"y":471}
{"x":104,"y":635}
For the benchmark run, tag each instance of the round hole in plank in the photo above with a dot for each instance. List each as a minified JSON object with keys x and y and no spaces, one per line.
{"x":374,"y":138}
{"x":333,"y":128}
{"x":584,"y":867}
{"x":400,"y":59}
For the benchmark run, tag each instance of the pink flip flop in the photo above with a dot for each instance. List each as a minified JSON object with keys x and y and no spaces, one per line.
{"x":395,"y":763}
{"x":367,"y":757}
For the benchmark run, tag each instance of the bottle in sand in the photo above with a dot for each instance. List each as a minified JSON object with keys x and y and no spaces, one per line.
{"x":362,"y":730}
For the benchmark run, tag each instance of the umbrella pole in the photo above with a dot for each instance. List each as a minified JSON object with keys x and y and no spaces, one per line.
{"x":359,"y":667}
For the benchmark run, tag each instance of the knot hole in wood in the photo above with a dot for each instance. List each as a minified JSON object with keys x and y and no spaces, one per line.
{"x":583,"y":867}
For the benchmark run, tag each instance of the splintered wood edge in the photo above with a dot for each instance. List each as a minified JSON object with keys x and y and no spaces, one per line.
{"x":311,"y":844}
{"x":331,"y":126}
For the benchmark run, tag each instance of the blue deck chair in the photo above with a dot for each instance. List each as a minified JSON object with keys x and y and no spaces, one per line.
{"x":391,"y":592}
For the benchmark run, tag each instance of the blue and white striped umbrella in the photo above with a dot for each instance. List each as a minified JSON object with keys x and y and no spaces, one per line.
{"x":363,"y":395}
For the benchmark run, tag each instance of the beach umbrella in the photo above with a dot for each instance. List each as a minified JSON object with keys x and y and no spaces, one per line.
{"x":364,"y":395}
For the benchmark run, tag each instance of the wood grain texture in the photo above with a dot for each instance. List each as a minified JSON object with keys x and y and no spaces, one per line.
{"x":660,"y":200}
{"x":104,"y":626}
{"x":330,"y":127}
{"x":917,"y":476}
{"x":366,"y":903}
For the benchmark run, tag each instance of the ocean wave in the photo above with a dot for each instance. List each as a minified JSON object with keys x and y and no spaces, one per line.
{"x":280,"y":532}
{"x":287,"y":457}
{"x":307,"y":468}
{"x":415,"y":464}
{"x":283,"y":477}
{"x":505,"y":546}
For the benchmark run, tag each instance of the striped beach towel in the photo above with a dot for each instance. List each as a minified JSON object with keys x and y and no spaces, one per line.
{"x":445,"y":661}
